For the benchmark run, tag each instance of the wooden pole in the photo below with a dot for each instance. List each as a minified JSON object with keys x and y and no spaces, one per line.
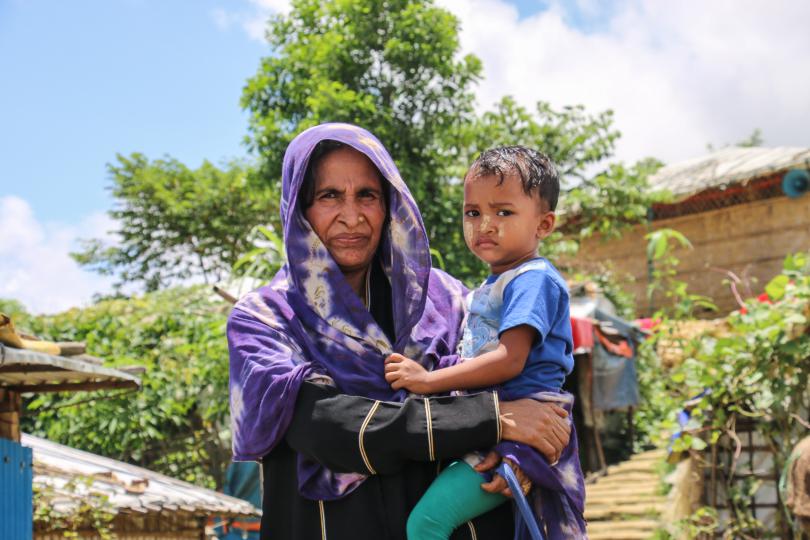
{"x":10,"y":406}
{"x":224,"y":294}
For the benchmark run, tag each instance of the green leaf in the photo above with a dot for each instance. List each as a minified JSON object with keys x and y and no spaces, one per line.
{"x":795,"y":262}
{"x":776,"y":287}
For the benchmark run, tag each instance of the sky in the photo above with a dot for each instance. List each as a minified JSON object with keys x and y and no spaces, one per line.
{"x":83,"y":81}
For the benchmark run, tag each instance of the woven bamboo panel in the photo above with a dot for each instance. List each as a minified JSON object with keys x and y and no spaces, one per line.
{"x":751,"y":240}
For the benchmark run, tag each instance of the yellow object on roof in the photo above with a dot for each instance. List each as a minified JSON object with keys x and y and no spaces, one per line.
{"x":9,"y":336}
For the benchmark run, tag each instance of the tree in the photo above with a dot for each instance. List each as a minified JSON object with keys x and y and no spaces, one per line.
{"x":573,"y":139}
{"x":754,"y":139}
{"x":177,"y":223}
{"x":594,"y":198}
{"x":612,"y":199}
{"x":393,"y":66}
{"x":177,"y":423}
{"x":389,"y":65}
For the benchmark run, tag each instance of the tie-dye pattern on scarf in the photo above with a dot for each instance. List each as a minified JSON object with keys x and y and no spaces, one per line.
{"x":308,"y":324}
{"x":558,"y":491}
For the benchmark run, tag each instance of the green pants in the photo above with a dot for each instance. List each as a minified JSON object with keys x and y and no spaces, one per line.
{"x":454,"y":498}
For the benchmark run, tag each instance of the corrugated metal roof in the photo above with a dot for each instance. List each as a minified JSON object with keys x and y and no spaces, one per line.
{"x":22,"y":371}
{"x":727,"y":166}
{"x":128,"y":488}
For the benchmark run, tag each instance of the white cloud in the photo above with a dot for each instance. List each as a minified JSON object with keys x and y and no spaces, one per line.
{"x":274,"y":6}
{"x":223,"y":19}
{"x":253,"y":19}
{"x":678,"y":75}
{"x":35,"y":267}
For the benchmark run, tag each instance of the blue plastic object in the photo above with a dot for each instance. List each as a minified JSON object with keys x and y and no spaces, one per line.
{"x":16,"y":494}
{"x":520,"y":500}
{"x":796,"y":183}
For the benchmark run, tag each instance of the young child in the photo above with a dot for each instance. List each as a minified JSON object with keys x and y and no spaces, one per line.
{"x":518,"y":331}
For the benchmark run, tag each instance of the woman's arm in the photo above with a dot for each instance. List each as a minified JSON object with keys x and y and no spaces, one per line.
{"x":271,"y":400}
{"x":355,"y":434}
{"x":488,"y":369}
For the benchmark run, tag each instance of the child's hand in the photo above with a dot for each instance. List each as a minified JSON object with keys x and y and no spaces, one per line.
{"x":402,"y":372}
{"x":498,"y":483}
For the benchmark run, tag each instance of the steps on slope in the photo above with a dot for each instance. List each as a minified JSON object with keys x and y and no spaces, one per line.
{"x":626,"y":503}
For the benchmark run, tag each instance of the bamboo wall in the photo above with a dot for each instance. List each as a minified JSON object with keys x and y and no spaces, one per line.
{"x":749,"y":239}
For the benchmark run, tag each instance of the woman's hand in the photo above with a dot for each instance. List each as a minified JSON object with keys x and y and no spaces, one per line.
{"x":543,"y":426}
{"x":498,"y":483}
{"x":402,"y":372}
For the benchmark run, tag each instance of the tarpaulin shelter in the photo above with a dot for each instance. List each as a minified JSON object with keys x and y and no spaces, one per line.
{"x":242,"y":480}
{"x":604,"y":378}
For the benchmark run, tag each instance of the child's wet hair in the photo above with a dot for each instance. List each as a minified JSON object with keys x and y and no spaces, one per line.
{"x":535,"y":170}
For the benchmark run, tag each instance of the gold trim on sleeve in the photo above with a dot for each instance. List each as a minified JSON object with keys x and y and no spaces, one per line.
{"x":472,"y":530}
{"x":431,"y":455}
{"x":323,"y":520}
{"x":362,"y":434}
{"x":497,"y":417}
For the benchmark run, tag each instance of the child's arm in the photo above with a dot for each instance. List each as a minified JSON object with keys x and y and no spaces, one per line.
{"x":494,"y":367}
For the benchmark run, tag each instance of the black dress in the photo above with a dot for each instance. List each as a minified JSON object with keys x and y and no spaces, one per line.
{"x":326,"y":427}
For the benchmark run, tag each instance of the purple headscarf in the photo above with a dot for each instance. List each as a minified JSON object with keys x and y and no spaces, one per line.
{"x":308,"y":323}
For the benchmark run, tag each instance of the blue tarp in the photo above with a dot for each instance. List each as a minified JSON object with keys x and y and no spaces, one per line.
{"x":615,"y":384}
{"x":242,"y":480}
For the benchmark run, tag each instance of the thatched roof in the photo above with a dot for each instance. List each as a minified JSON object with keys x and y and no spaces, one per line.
{"x":732,"y":165}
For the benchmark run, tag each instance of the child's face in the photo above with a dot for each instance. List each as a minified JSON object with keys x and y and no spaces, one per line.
{"x":502,"y":224}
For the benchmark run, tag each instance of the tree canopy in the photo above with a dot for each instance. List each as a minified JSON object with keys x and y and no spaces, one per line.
{"x":177,"y":223}
{"x":396,"y":67}
{"x":390,"y":66}
{"x":177,"y":423}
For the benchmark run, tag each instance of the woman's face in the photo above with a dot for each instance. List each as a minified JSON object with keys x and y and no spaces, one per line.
{"x":348,"y":208}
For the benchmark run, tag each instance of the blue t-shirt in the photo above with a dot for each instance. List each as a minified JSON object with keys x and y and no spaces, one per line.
{"x":535,"y":294}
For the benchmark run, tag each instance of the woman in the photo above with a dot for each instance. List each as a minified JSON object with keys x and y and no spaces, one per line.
{"x":343,"y":455}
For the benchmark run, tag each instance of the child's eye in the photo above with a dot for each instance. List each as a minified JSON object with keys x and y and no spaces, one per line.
{"x":471,"y":213}
{"x":505,"y":213}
